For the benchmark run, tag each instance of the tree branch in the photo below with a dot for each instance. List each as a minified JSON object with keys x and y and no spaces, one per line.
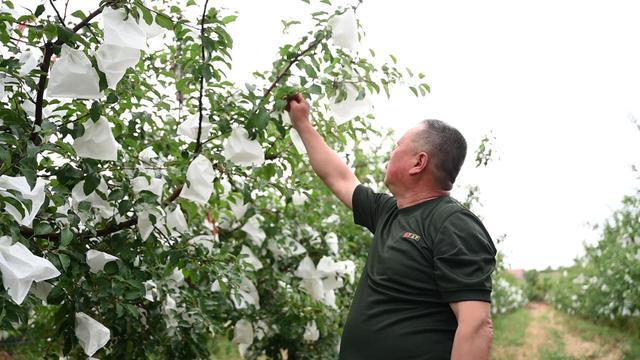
{"x":298,"y":56}
{"x":57,"y":12}
{"x":295,"y":59}
{"x":109,"y":229}
{"x":66,"y":5}
{"x":202,"y":59}
{"x":49,"y":47}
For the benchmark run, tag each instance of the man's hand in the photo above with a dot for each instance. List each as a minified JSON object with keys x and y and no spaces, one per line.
{"x":475,"y":330}
{"x":325,"y":162}
{"x":298,"y":108}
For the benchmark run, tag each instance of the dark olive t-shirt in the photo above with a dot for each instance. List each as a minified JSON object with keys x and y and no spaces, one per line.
{"x":422,"y":258}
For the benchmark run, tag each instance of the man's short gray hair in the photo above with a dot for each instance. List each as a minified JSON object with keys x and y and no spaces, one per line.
{"x":446,"y":147}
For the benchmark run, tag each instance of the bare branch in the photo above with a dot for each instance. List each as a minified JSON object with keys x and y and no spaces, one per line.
{"x":57,"y":12}
{"x":66,"y":6}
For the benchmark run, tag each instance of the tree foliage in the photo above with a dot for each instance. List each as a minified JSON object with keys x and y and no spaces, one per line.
{"x":185,"y":78}
{"x":603,"y":283}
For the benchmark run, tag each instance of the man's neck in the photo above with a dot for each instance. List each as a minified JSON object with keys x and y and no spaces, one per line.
{"x":412,"y":198}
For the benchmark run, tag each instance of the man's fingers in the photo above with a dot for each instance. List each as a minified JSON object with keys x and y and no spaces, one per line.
{"x":289,"y":100}
{"x":297,"y":98}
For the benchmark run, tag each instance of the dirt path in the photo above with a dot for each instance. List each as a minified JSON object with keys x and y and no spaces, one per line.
{"x":538,"y":334}
{"x":546,"y":337}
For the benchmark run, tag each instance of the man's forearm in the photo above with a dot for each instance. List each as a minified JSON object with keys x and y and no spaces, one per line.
{"x":324,"y":161}
{"x":472,"y":343}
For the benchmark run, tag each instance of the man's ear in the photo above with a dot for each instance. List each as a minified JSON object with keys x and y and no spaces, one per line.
{"x":421,"y":161}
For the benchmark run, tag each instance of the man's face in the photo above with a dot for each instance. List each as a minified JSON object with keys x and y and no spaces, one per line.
{"x":401,"y":159}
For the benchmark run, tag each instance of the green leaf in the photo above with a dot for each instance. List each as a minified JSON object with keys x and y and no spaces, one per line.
{"x":269,"y":170}
{"x":146,"y":15}
{"x":124,"y":206}
{"x":56,"y":295}
{"x":206,"y":72}
{"x":132,"y":295}
{"x":95,"y":111}
{"x":311,"y":72}
{"x":164,"y":21}
{"x":42,"y":228}
{"x":229,"y":19}
{"x":258,"y":121}
{"x":66,"y":236}
{"x":315,"y":89}
{"x":50,"y":31}
{"x":115,"y":195}
{"x":79,"y":14}
{"x":132,"y":310}
{"x":39,"y":10}
{"x":111,"y":268}
{"x":65,"y":35}
{"x":65,"y":261}
{"x":24,"y":203}
{"x":112,"y":98}
{"x":91,"y":183}
{"x":7,"y":138}
{"x":119,"y":310}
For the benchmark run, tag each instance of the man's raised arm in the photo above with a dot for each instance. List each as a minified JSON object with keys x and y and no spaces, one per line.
{"x":324,"y":161}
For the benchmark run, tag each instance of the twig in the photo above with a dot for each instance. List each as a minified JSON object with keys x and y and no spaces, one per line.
{"x":215,"y":137}
{"x":355,"y":8}
{"x":275,"y":156}
{"x":164,"y":236}
{"x":20,"y":40}
{"x":295,"y":59}
{"x":57,"y":13}
{"x":66,"y":5}
{"x":14,"y":164}
{"x":65,"y":123}
{"x":202,"y":59}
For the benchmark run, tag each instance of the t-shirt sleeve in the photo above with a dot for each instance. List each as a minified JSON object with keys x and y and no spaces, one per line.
{"x":464,"y":258}
{"x":368,"y":206}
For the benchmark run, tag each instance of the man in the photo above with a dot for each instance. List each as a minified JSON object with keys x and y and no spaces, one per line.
{"x":425,"y":290}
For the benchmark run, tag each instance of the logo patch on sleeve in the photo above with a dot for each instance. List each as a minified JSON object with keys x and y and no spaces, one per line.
{"x":410,"y":235}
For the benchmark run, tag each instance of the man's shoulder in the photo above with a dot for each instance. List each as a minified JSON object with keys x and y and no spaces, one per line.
{"x":382,"y":199}
{"x":449,"y":209}
{"x":447,"y":206}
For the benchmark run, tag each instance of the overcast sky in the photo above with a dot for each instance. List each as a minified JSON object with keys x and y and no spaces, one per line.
{"x":556,"y":83}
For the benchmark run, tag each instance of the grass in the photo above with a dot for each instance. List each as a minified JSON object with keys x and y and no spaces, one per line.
{"x":509,"y":334}
{"x":556,"y":350}
{"x":509,"y":329}
{"x":222,"y":349}
{"x":627,"y":340}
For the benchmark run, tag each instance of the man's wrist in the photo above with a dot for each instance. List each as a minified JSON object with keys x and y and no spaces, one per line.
{"x":302,"y":125}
